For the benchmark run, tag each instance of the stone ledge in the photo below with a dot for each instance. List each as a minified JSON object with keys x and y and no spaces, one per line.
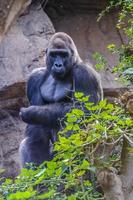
{"x":14,"y":96}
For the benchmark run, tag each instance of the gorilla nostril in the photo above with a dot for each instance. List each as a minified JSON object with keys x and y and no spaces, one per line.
{"x":58,"y":65}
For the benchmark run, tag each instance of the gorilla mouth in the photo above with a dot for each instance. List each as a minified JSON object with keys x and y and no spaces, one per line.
{"x":58,"y":72}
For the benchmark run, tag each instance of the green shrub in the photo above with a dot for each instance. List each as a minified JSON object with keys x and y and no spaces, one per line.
{"x":124,"y":68}
{"x":72,"y":173}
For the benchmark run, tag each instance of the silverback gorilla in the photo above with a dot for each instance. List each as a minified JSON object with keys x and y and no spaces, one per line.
{"x":50,"y":94}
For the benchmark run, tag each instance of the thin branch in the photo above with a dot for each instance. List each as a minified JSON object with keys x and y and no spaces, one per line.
{"x":129,"y":140}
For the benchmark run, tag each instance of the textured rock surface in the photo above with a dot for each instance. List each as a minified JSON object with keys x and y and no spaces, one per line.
{"x":13,"y":97}
{"x":9,"y":10}
{"x":11,"y":133}
{"x":21,"y":50}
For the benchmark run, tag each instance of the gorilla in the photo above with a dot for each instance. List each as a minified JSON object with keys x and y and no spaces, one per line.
{"x":50,"y":92}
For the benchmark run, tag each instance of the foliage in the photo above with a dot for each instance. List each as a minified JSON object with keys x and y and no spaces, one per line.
{"x":72,"y":173}
{"x":101,"y":61}
{"x":124,"y":68}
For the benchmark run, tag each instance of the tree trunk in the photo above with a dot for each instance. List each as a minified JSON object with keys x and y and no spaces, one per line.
{"x":119,"y":187}
{"x":111,"y":184}
{"x":127,"y":170}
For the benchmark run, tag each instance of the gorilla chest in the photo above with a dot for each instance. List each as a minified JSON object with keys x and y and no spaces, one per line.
{"x":55,"y":90}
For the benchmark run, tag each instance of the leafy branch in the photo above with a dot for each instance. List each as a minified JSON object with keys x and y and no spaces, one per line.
{"x":93,"y":138}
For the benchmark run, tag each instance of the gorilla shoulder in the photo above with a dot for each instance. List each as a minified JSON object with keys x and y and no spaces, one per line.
{"x":86,"y":77}
{"x":37,"y":73}
{"x":34,"y":82}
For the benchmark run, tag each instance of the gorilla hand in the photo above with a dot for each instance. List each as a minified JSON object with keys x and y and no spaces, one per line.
{"x":24,"y":114}
{"x":33,"y":114}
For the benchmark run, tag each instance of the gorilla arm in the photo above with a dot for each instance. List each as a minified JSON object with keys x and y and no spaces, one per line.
{"x":88,"y":81}
{"x":48,"y":115}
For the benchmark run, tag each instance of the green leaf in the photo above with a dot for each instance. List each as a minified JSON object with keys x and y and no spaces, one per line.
{"x":69,"y":127}
{"x":129,"y":122}
{"x":22,"y":195}
{"x":41,"y":172}
{"x":58,"y":171}
{"x":46,"y":195}
{"x":85,"y":99}
{"x":85,"y":165}
{"x":129,"y":71}
{"x":111,"y":47}
{"x":72,"y":197}
{"x":77,"y":112}
{"x":76,"y":127}
{"x":72,"y":119}
{"x":103,"y":103}
{"x":110,"y":106}
{"x":78,"y":95}
{"x":87,"y":183}
{"x":81,"y":173}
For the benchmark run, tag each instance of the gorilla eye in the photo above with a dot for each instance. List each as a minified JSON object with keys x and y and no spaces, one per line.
{"x":64,"y":54}
{"x":53,"y":54}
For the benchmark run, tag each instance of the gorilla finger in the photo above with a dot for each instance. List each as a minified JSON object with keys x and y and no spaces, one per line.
{"x":22,"y":113}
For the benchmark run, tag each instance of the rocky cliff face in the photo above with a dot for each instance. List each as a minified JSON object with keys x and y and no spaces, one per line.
{"x":21,"y":50}
{"x":9,"y":11}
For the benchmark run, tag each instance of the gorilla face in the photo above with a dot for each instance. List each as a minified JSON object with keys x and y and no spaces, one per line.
{"x":59,"y":62}
{"x":61,"y":55}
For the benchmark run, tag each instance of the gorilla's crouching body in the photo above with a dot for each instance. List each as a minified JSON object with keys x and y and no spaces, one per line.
{"x":50,"y":93}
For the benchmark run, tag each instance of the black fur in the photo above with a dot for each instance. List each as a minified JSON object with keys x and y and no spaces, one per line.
{"x":50,"y":93}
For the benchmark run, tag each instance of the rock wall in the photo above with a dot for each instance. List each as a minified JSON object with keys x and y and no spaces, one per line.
{"x":21,"y":50}
{"x":11,"y":133}
{"x":9,"y":10}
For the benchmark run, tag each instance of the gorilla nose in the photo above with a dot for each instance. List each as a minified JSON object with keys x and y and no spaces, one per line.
{"x":58,"y":65}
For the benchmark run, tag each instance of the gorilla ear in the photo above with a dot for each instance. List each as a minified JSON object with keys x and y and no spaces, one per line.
{"x":46,"y":50}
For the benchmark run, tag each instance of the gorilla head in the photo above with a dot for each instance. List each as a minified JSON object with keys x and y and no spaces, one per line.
{"x":61,"y":55}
